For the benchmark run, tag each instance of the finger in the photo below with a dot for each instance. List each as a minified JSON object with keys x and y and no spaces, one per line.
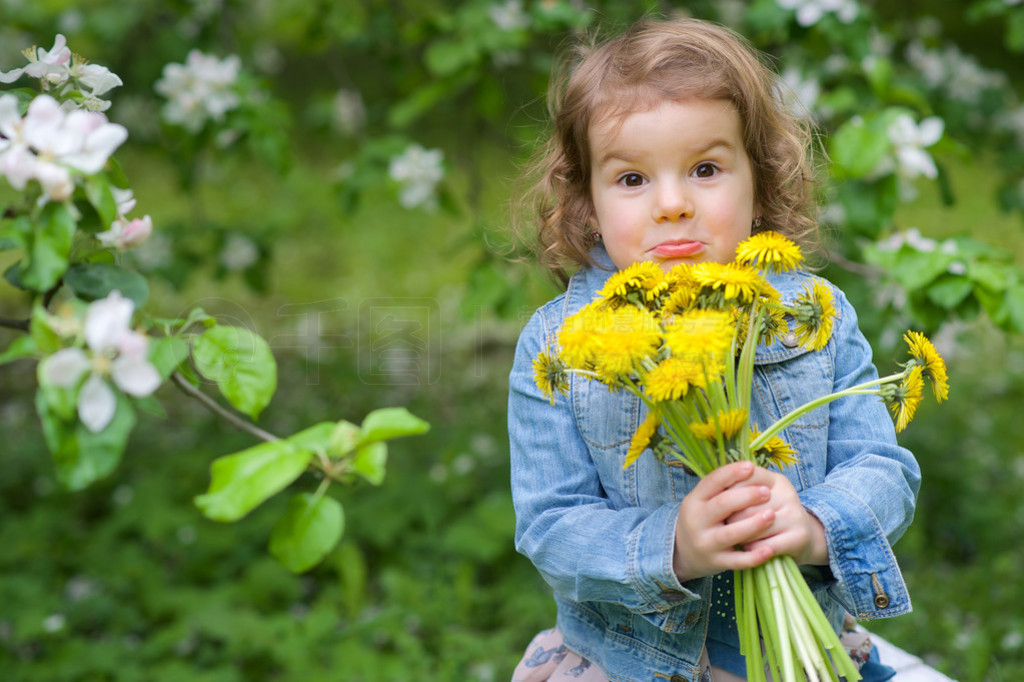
{"x":723,"y":478}
{"x":745,"y":532}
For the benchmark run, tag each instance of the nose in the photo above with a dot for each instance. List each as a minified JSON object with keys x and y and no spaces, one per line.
{"x":672,"y":202}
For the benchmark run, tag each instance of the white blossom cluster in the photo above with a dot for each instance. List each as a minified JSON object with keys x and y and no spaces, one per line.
{"x":953,"y":72}
{"x":114,"y":351}
{"x":509,"y":15}
{"x":61,"y":72}
{"x":50,"y":144}
{"x":417,"y":171}
{"x":201,"y":89}
{"x":810,"y":12}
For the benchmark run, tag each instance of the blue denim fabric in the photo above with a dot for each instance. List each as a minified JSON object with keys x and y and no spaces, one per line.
{"x":603,"y":536}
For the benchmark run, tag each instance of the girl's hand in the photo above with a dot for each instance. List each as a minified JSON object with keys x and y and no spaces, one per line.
{"x":793,"y":530}
{"x":724,"y":523}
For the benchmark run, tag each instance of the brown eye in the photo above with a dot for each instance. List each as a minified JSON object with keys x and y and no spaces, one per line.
{"x":704,"y":170}
{"x":632,"y":179}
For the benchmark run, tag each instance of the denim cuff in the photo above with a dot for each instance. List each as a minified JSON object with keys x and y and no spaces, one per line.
{"x":651,"y":551}
{"x":868,"y":579}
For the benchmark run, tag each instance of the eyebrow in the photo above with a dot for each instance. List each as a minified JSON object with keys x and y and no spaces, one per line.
{"x":629,"y":158}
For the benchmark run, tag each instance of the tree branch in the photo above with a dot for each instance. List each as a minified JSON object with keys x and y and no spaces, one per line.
{"x":20,"y":325}
{"x":215,"y":407}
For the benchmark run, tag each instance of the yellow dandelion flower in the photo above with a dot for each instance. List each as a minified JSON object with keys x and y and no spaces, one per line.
{"x":816,"y":313}
{"x":728,"y":423}
{"x":625,"y":337}
{"x":579,"y":337}
{"x":731,"y":281}
{"x":549,"y":372}
{"x":639,"y":284}
{"x":906,"y":398}
{"x":932,"y":364}
{"x":769,"y":252}
{"x":672,"y":378}
{"x":699,"y":333}
{"x":776,"y":452}
{"x":680,"y":299}
{"x":642,"y":438}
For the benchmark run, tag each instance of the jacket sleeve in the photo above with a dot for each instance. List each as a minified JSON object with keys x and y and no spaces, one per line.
{"x":584,"y":548}
{"x":867,"y":498}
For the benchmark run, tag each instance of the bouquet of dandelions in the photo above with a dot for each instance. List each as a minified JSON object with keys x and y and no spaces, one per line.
{"x":684,"y":342}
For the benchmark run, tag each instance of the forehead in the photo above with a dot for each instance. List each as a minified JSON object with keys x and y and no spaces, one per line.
{"x":693,"y":122}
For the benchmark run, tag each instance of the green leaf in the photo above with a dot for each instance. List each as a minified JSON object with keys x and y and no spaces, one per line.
{"x":242,"y":481}
{"x":50,"y":249}
{"x":949,"y":291}
{"x":857,"y":148}
{"x":370,"y":462}
{"x":166,"y":353}
{"x":345,"y":436}
{"x":391,"y":422}
{"x":81,"y":456}
{"x":241,"y":363}
{"x":97,"y":189}
{"x":21,"y":347}
{"x":445,"y":57}
{"x":46,"y":339}
{"x":92,"y":281}
{"x":310,"y":528}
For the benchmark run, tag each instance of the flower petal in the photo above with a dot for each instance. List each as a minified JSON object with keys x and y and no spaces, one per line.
{"x":96,"y":404}
{"x":107,"y":321}
{"x":135,"y":375}
{"x":65,"y":367}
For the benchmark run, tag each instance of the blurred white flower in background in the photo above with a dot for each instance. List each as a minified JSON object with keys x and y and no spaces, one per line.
{"x":201,"y":89}
{"x":810,"y":12}
{"x":116,"y":352}
{"x":910,"y":140}
{"x":417,"y":170}
{"x":239,"y":252}
{"x":348,"y":111}
{"x":802,"y":92}
{"x":959,"y":75}
{"x":509,"y":15}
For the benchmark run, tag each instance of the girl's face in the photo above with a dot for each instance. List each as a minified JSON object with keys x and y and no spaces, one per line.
{"x":672,"y":184}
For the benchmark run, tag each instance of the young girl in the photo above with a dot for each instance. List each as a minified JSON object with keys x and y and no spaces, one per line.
{"x":672,"y":144}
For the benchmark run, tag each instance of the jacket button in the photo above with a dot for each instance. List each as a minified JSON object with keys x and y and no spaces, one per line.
{"x":881,"y":601}
{"x":691,"y":619}
{"x":678,"y":678}
{"x":790,"y":340}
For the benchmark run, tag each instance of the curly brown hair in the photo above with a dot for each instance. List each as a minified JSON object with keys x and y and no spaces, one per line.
{"x":654,"y":61}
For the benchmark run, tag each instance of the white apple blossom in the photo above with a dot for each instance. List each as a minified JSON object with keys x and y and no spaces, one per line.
{"x":62,"y":71}
{"x":910,"y":140}
{"x":810,"y":12}
{"x":124,"y":233}
{"x":49,"y":142}
{"x":201,"y":89}
{"x":417,"y":170}
{"x":51,"y":66}
{"x":115,"y":351}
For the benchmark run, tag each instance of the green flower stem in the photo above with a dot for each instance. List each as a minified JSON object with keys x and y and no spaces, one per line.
{"x":771,"y":593}
{"x":822,"y":628}
{"x":867,"y":388}
{"x":808,"y":648}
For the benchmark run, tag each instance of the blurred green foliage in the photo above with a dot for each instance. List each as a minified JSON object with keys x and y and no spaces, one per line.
{"x":127,"y":581}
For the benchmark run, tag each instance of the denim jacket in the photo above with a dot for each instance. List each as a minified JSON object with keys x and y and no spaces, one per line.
{"x":603,"y":537}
